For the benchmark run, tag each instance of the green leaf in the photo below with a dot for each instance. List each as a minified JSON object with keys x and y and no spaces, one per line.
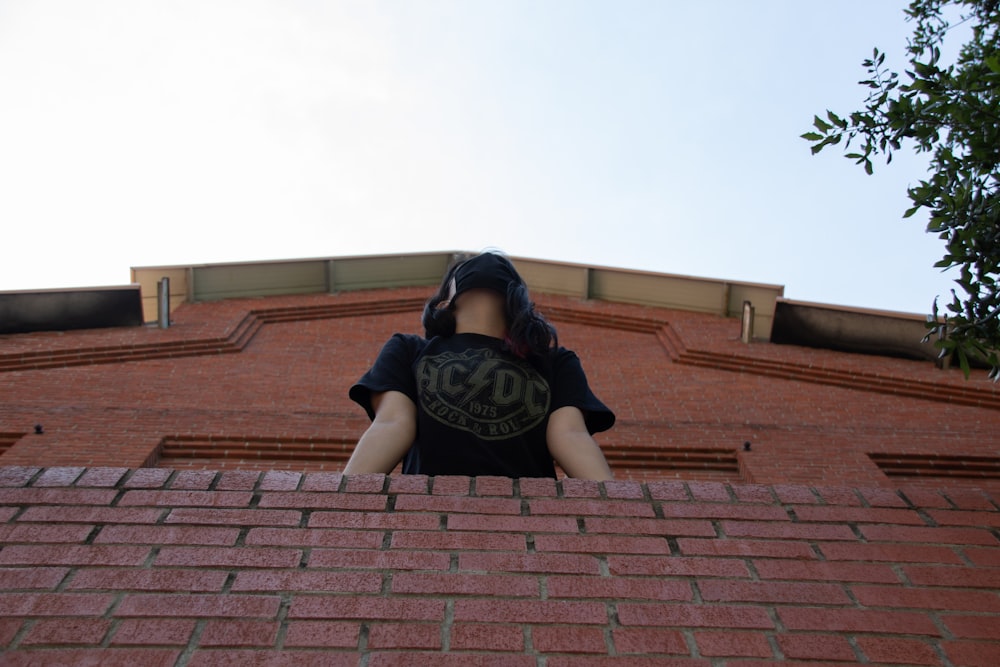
{"x":821,"y":124}
{"x":812,"y":136}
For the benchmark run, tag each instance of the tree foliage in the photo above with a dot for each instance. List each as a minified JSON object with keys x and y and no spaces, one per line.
{"x":950,"y":111}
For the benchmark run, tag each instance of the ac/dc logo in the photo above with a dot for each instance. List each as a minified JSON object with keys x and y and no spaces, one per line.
{"x":482,"y":393}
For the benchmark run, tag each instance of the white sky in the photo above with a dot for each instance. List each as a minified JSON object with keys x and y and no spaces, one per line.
{"x":649,"y":134}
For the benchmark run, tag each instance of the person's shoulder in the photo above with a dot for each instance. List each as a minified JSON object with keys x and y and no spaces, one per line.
{"x":405,"y":342}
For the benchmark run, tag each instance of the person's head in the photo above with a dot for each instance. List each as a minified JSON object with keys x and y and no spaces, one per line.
{"x":528,"y":333}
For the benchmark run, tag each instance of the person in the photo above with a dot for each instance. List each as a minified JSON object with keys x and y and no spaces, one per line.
{"x":487,"y":390}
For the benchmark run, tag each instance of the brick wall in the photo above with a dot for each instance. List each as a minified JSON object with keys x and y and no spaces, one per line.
{"x":113,"y":566}
{"x":262,"y":383}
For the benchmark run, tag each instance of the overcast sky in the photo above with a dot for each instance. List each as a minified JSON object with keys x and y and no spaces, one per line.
{"x":655,"y":135}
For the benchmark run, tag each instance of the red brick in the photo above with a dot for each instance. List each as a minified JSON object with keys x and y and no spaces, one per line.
{"x":58,"y":476}
{"x":677,"y":566}
{"x":458,"y":504}
{"x":67,"y":631}
{"x":9,"y":628}
{"x":284,"y":658}
{"x":972,"y":654}
{"x":448,"y":485}
{"x":665,"y":527}
{"x":55,"y":604}
{"x":825,"y":571}
{"x":323,"y":634}
{"x":91,"y":515}
{"x":282,"y":580}
{"x":795,"y":495}
{"x":322,"y":481}
{"x":529,"y":611}
{"x":92,"y":656}
{"x":195,"y":480}
{"x":746,"y":548}
{"x":828,"y":514}
{"x":239,"y":633}
{"x":880,"y":497}
{"x":537,"y":486}
{"x":404,"y":636}
{"x":221,"y":557}
{"x":595,"y":544}
{"x":370,"y":483}
{"x":24,"y":533}
{"x":960,"y":577}
{"x":521,"y":524}
{"x":946,"y":518}
{"x":694,"y":616}
{"x":71,"y":554}
{"x":145,"y":579}
{"x":983,"y":557}
{"x":106,"y":477}
{"x":725,"y":511}
{"x":568,"y":639}
{"x":238,"y":480}
{"x":788,"y":531}
{"x":144,"y":605}
{"x":216,"y":499}
{"x":617,"y":588}
{"x":643,"y":641}
{"x":668,"y":491}
{"x":857,"y":621}
{"x":17,"y":475}
{"x":28,"y":578}
{"x":189,"y":535}
{"x":894,"y":650}
{"x":153,"y":632}
{"x":838,"y":495}
{"x":580,"y":488}
{"x":723,"y":590}
{"x":380,"y":560}
{"x":526,"y":562}
{"x":410,"y":658}
{"x":965,"y":499}
{"x":280,"y":480}
{"x":434,"y":583}
{"x":709,"y":491}
{"x":929,"y":535}
{"x":625,"y":489}
{"x":452,"y":541}
{"x":376,"y":520}
{"x":314,"y":537}
{"x":494,"y":486}
{"x":713,"y":643}
{"x":754,"y":493}
{"x":585,"y":508}
{"x":361,"y":502}
{"x":894,"y":553}
{"x":486,"y":637}
{"x":799,"y":646}
{"x":927,"y":598}
{"x":57,"y":496}
{"x":342,"y":607}
{"x":409,"y":484}
{"x":967,"y":626}
{"x":147,"y":478}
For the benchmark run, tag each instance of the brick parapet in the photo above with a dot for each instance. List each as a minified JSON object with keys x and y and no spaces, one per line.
{"x":190,"y":567}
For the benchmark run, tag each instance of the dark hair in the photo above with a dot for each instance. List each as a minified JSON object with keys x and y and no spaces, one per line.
{"x":529,"y":334}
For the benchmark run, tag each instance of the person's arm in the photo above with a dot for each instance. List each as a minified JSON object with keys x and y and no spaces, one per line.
{"x":572,"y":446}
{"x":388,"y":438}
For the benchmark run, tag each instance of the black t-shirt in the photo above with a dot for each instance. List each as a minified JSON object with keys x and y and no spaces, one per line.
{"x":480,"y":409}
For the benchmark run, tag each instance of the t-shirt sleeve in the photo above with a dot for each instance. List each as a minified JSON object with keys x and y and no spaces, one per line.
{"x":570,"y":388}
{"x":392,"y":371}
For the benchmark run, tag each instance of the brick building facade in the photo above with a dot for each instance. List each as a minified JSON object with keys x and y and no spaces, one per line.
{"x":774,"y":502}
